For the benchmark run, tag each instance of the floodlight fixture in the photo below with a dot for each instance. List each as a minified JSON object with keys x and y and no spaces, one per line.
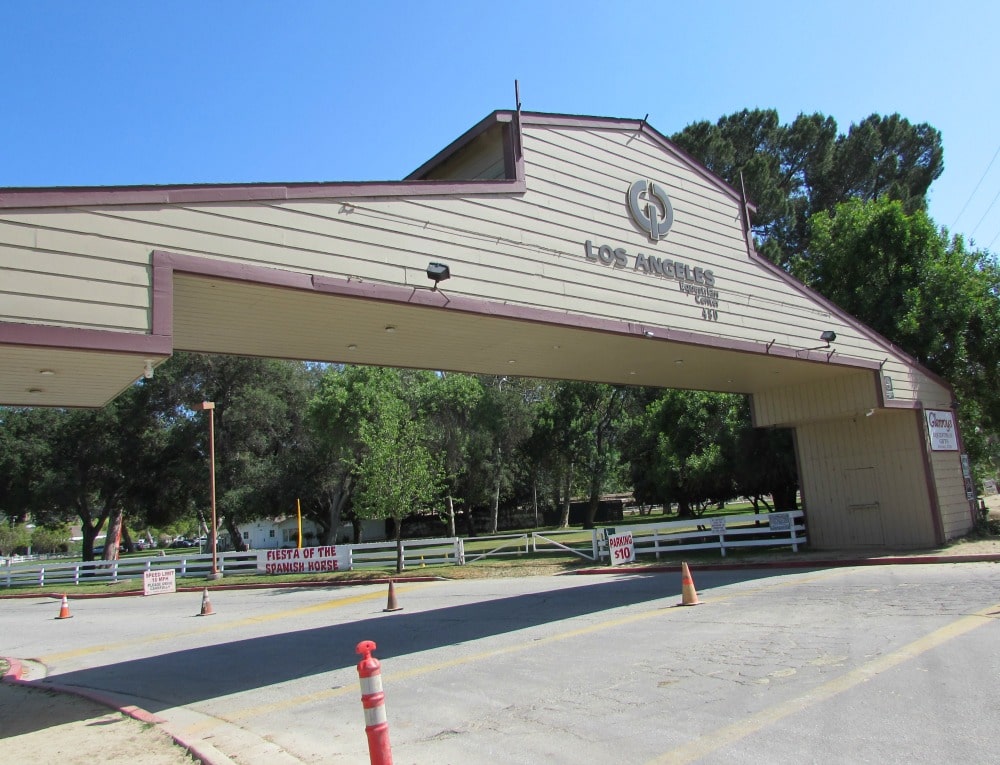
{"x":827,"y":336}
{"x":437,"y":273}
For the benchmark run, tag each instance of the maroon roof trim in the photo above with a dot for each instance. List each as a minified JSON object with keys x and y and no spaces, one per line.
{"x":833,"y":308}
{"x":929,"y":480}
{"x":896,"y":403}
{"x":165,"y":262}
{"x":439,"y":299}
{"x":31,"y":198}
{"x":27,"y":198}
{"x":513,"y":170}
{"x":636,"y":126}
{"x":164,"y":195}
{"x":78,"y":196}
{"x":78,"y":339}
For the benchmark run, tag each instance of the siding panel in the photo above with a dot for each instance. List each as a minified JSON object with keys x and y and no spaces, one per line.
{"x":956,"y":510}
{"x":525,"y":249}
{"x":831,"y":453}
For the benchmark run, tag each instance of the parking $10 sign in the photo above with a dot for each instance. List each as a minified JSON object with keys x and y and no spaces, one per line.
{"x":621,"y":547}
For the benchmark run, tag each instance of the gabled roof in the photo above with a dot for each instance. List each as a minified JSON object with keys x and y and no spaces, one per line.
{"x":498,"y":133}
{"x":486,"y":160}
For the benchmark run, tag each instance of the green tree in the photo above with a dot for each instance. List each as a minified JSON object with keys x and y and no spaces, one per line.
{"x":599,"y":415}
{"x":14,"y":537}
{"x":559,"y":442}
{"x":50,"y":539}
{"x":578,"y":433}
{"x":346,"y":397}
{"x":791,"y":172}
{"x":398,"y":474}
{"x":25,"y":436}
{"x":919,"y":288}
{"x":449,"y":401}
{"x":88,"y":470}
{"x":260,"y":411}
{"x":682,"y":449}
{"x":502,"y":424}
{"x":764,"y":465}
{"x":103,"y":465}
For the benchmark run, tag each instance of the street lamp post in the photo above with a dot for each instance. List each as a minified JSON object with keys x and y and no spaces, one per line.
{"x":209,"y":406}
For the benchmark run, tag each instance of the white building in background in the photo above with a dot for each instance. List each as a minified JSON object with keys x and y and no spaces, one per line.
{"x":269,"y":533}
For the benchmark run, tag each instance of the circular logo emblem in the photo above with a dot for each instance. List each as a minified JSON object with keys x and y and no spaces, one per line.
{"x":650,"y":208}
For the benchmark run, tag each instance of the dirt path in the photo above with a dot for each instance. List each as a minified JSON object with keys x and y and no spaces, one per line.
{"x":38,"y":727}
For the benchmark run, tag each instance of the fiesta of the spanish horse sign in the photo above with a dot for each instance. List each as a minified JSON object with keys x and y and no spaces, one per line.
{"x":304,"y":560}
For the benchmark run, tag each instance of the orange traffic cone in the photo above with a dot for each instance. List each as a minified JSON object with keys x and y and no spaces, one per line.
{"x":392,"y":605}
{"x":206,"y":605}
{"x":689,"y":595}
{"x":64,"y":609}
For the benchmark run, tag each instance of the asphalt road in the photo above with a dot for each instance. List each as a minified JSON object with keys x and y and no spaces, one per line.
{"x":862,"y":665}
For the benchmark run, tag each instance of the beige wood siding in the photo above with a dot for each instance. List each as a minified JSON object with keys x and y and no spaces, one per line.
{"x":830,"y":399}
{"x":482,"y":159}
{"x":524,"y":250}
{"x":956,"y":509}
{"x":72,"y":279}
{"x":863,"y":482}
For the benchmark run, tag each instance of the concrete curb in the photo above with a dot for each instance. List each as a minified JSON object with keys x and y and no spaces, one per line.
{"x":15,"y":671}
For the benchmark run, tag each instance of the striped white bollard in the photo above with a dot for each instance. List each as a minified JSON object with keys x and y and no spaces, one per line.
{"x":373,"y":701}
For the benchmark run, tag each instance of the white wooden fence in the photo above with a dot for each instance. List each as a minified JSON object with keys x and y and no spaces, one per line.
{"x":723,"y":532}
{"x":718,"y":533}
{"x":78,"y":572}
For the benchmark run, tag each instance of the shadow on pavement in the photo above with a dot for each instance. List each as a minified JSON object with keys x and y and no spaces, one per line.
{"x":188,"y":676}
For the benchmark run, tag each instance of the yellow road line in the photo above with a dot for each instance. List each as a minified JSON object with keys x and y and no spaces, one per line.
{"x":264,"y":709}
{"x":220,"y":626}
{"x":717,"y":739}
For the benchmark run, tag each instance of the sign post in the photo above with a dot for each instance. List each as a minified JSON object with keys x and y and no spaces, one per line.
{"x":719,"y":529}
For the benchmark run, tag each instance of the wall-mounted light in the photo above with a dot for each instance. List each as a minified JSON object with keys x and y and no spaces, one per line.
{"x":648,"y":333}
{"x":437,"y":273}
{"x":827,"y":336}
{"x":147,"y":370}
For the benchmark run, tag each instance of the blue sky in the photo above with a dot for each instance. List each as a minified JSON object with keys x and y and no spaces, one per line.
{"x":113,"y":93}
